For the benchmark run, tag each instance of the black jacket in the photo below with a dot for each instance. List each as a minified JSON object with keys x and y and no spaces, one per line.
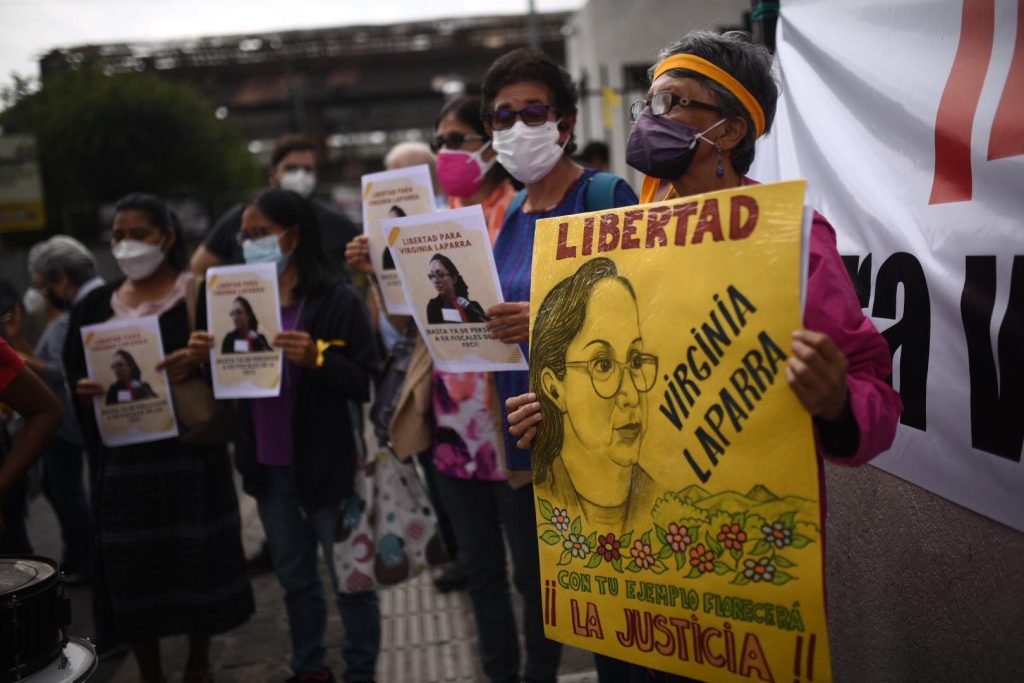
{"x":323,"y":437}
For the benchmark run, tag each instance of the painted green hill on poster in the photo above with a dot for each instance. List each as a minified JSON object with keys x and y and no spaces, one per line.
{"x":690,"y":502}
{"x":693,"y":493}
{"x":761,"y":493}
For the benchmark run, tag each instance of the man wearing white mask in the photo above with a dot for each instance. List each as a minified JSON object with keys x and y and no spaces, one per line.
{"x":292,"y":167}
{"x":63,"y":272}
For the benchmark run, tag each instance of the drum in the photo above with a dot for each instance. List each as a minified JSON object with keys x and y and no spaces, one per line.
{"x":33,"y":614}
{"x":76,"y":663}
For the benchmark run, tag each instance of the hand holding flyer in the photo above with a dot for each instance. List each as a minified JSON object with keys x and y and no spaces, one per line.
{"x":135,"y":406}
{"x":447,"y":269}
{"x":387,"y":195}
{"x":244,"y":316}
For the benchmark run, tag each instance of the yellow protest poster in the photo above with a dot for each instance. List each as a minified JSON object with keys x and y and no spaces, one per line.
{"x":675,"y":475}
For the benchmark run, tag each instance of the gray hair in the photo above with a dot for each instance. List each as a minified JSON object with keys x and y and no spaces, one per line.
{"x":406,"y":154}
{"x":62,"y":253}
{"x":747,"y":62}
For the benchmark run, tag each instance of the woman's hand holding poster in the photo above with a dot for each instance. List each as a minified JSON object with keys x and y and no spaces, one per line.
{"x":122,"y":357}
{"x":393,"y":194}
{"x":446,"y":266}
{"x":675,"y":475}
{"x":244,"y":315}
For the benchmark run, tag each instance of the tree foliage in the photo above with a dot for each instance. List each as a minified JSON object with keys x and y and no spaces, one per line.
{"x":102,"y":136}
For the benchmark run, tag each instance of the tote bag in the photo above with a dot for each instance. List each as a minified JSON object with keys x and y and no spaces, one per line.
{"x":387,"y":530}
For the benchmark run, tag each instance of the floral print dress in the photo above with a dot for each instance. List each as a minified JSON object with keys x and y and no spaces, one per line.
{"x":466,"y":436}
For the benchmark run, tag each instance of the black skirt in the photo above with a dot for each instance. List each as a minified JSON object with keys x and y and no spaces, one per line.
{"x":170,"y":546}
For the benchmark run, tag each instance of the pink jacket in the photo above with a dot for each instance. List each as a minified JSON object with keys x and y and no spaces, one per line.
{"x":833,"y":308}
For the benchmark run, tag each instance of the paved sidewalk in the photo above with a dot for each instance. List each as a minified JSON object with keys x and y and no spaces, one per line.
{"x":426,"y":636}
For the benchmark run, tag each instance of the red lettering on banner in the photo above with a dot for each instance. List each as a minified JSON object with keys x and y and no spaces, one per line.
{"x":709,"y":223}
{"x":564,"y":251}
{"x":608,"y":235}
{"x":955,"y":119}
{"x":741,"y":203}
{"x":1007,"y":136}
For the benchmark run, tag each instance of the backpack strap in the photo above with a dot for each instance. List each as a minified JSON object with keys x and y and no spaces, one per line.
{"x":516,"y":202}
{"x":601,"y":191}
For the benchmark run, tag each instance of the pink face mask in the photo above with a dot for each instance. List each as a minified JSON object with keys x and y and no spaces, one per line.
{"x":462,"y":173}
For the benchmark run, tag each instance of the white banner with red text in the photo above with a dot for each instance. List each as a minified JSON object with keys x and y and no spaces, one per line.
{"x":909,"y":124}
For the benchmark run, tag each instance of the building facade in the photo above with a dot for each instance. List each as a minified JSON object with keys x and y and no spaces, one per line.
{"x":609,"y":46}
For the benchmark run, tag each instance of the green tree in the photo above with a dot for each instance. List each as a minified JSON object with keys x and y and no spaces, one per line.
{"x":102,"y":136}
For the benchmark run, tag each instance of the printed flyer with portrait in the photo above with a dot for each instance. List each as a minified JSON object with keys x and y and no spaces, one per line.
{"x":387,"y":195}
{"x":243,"y":313}
{"x":447,"y":269}
{"x":136,"y":405}
{"x":675,"y":475}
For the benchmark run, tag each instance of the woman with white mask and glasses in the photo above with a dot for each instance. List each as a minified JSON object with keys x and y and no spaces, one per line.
{"x":529,"y":108}
{"x":170,"y":557}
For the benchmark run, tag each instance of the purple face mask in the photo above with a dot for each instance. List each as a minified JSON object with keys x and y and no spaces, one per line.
{"x":662,"y":147}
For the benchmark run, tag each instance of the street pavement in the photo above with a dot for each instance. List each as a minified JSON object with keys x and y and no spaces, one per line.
{"x":426,"y":636}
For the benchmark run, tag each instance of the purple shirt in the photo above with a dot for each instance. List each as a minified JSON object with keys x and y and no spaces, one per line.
{"x":272,"y":417}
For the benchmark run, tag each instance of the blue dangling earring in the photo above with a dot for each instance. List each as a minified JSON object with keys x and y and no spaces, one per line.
{"x":720,"y":171}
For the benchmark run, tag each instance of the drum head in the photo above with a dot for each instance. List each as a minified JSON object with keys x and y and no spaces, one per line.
{"x":76,"y":663}
{"x":18,"y":573}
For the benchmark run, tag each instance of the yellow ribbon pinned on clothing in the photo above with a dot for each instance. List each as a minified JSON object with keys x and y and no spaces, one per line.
{"x":324,"y":344}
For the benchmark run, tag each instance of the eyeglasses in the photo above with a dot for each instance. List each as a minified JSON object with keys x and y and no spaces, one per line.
{"x":439,"y":275}
{"x":454,"y":141}
{"x":533,"y":115}
{"x":662,"y":103}
{"x":606,"y":373}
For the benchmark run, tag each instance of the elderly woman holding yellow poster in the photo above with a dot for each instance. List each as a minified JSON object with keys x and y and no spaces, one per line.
{"x":712,"y":95}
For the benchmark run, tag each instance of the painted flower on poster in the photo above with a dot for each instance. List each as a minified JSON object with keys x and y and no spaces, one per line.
{"x":726,"y":534}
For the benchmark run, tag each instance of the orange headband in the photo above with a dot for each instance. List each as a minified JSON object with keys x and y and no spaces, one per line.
{"x":720,"y":76}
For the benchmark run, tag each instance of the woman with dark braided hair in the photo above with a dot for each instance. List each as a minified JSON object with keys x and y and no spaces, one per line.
{"x":169,"y":546}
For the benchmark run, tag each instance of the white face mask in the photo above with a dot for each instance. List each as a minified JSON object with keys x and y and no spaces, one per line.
{"x":34,"y":302}
{"x":299,"y":181}
{"x":138,"y":260}
{"x":529,"y":152}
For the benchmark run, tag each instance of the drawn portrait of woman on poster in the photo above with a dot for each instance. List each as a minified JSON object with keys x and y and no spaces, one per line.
{"x":245,"y":338}
{"x":128,"y":385}
{"x":389,"y":261}
{"x":591,"y":376}
{"x":452,"y":303}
